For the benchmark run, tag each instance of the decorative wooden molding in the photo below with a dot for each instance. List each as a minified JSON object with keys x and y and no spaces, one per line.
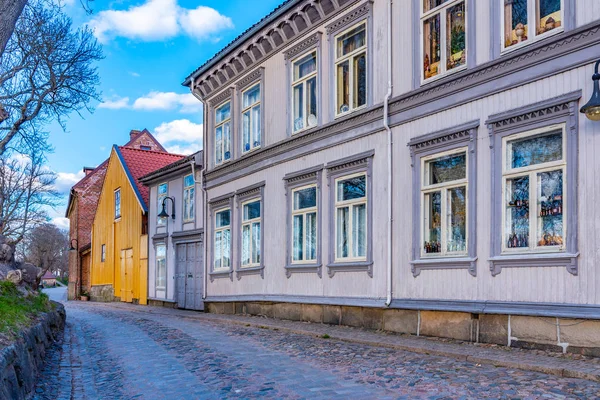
{"x":251,"y":78}
{"x":349,"y":18}
{"x":221,"y":97}
{"x":303,"y":46}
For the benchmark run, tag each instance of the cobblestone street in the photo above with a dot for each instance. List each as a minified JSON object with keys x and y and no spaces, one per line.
{"x":113,"y":353}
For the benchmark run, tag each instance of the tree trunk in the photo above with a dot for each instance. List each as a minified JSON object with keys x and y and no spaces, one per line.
{"x":10,"y":10}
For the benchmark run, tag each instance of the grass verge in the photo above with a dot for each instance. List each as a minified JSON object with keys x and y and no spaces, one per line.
{"x":17,"y":310}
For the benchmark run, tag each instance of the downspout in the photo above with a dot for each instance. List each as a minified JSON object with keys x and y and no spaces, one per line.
{"x":386,"y":125}
{"x":204,"y":197}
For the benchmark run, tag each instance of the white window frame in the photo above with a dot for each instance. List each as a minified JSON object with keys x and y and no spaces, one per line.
{"x":117,"y":204}
{"x":350,"y":204}
{"x":250,"y":222}
{"x":222,"y":126}
{"x":249,"y":109}
{"x":159,"y":199}
{"x":443,"y":188}
{"x":222,"y":229}
{"x":532,"y":171}
{"x":304,"y":213}
{"x":348,"y":57}
{"x":441,"y":9}
{"x":531,"y":22}
{"x":303,"y":81}
{"x":158,"y":259}
{"x":189,"y":194}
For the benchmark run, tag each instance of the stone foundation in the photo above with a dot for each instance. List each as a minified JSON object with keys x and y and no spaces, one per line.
{"x":102,"y":293}
{"x":557,"y":334}
{"x":162,"y":303}
{"x":21,"y":362}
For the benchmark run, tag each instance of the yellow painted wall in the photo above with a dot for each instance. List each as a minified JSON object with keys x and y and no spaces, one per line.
{"x":119,"y":234}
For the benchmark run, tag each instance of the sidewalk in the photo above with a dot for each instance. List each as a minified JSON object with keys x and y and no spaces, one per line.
{"x":558,"y":365}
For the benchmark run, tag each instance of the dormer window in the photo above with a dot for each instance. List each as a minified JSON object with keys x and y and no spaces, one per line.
{"x":147,"y":148}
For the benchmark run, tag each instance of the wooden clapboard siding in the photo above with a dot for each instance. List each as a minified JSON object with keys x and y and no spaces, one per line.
{"x":120,"y":234}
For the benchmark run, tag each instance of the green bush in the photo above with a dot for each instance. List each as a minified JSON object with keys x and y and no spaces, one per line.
{"x":18,"y":310}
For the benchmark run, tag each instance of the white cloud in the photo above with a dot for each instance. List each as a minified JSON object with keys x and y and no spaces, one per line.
{"x":61,"y":222}
{"x":116,"y":104}
{"x":134,"y":74}
{"x":65,"y":180}
{"x":168,"y":101}
{"x":158,"y":20}
{"x":180,"y":136}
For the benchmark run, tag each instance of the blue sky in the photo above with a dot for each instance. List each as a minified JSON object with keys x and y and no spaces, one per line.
{"x":150,"y":46}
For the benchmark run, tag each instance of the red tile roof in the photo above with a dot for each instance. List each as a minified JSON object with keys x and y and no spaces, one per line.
{"x":142,"y":162}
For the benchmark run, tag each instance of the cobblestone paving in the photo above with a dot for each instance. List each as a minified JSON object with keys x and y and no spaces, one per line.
{"x":110,"y":353}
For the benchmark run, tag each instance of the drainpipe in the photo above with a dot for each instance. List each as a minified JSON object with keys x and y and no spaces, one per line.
{"x":386,"y":125}
{"x":204,"y":197}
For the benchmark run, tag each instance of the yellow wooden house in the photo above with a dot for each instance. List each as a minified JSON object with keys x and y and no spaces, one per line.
{"x":119,"y":267}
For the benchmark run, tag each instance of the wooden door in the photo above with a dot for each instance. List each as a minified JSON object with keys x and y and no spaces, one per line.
{"x":180,"y":274}
{"x":127,"y":275}
{"x":189,"y":276}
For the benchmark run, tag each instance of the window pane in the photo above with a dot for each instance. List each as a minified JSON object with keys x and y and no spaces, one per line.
{"x":305,"y":66}
{"x":549,"y":15}
{"x":305,"y":198}
{"x":457,"y":220}
{"x":515,"y":22}
{"x":245,"y":244}
{"x":535,"y":150}
{"x":351,"y":40}
{"x":360,"y":81}
{"x":446,"y":169}
{"x":298,"y":107}
{"x":431,"y":46}
{"x":343,"y":87}
{"x":517,"y":212}
{"x":191,"y":203}
{"x":343,"y":219}
{"x":433,"y":223}
{"x":431,"y":4}
{"x":251,"y":210}
{"x":256,"y":126}
{"x":311,"y":236}
{"x":246,"y":130}
{"x":219,"y":145}
{"x":218,"y":248}
{"x":256,"y":243}
{"x":222,"y":218}
{"x":189,"y":180}
{"x":359,"y":230}
{"x":455,"y":36}
{"x":352,"y":188}
{"x":251,"y":96}
{"x":222,"y":113}
{"x":226,"y":241}
{"x":550,"y":226}
{"x":298,"y":237}
{"x":311,"y":101}
{"x":162,"y":189}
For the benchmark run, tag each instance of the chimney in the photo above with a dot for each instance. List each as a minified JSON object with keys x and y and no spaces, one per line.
{"x":133,"y":133}
{"x":88,"y":170}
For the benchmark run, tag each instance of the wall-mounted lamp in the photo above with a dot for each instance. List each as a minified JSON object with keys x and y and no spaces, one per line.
{"x":163,"y":213}
{"x":592,"y":108}
{"x":74,"y":248}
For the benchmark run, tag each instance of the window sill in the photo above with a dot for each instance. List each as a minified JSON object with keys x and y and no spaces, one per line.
{"x":117,"y":219}
{"x":244,"y":152}
{"x":340,"y":115}
{"x":469,"y":263}
{"x":243,"y":271}
{"x":442,"y":76}
{"x":564,"y":260}
{"x":355,"y":266}
{"x":220,"y":274}
{"x":515,"y":47}
{"x":303,"y":268}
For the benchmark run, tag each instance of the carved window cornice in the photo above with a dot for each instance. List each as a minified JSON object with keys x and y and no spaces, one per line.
{"x":349,"y":18}
{"x":302,"y":46}
{"x":249,"y":79}
{"x":221,"y":97}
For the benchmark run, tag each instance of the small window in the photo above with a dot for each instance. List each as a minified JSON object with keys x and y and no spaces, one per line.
{"x":188,"y":198}
{"x":443,"y":24}
{"x":304,"y":224}
{"x":117,"y":203}
{"x":304,"y":92}
{"x":351,"y":217}
{"x":251,"y":118}
{"x":222,"y":256}
{"x":251,"y":221}
{"x":161,"y":267}
{"x":103,"y":253}
{"x":527,"y":20}
{"x":444,"y":204}
{"x":534,"y":191}
{"x":351,"y":69}
{"x":147,"y":148}
{"x":223,"y":133}
{"x":163,"y":189}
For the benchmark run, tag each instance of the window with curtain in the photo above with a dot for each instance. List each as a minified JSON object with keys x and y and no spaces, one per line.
{"x":223,"y":133}
{"x":162,"y":191}
{"x":304,"y":224}
{"x":351,"y":217}
{"x":251,"y":118}
{"x":304,"y":92}
{"x":161,"y":266}
{"x":525,"y":20}
{"x":188,"y":198}
{"x":351,"y":69}
{"x":251,"y":221}
{"x":222,"y":249}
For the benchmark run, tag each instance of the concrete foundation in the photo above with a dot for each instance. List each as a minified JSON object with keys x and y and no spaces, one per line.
{"x":102,"y":293}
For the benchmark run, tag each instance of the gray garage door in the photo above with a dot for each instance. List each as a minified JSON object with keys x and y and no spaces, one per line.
{"x":188,"y":274}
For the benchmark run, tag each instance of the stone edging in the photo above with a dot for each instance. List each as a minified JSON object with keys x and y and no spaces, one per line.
{"x":22,"y":361}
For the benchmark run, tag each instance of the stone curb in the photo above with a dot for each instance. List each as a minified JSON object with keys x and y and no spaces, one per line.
{"x":496,"y":357}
